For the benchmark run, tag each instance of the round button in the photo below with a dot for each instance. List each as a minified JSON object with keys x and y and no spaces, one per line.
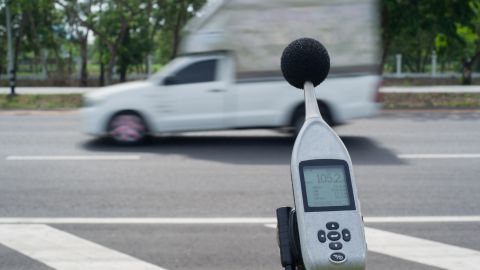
{"x":332,"y":225}
{"x":333,"y":236}
{"x":322,"y":236}
{"x":338,"y":257}
{"x":335,"y":245}
{"x":346,"y":235}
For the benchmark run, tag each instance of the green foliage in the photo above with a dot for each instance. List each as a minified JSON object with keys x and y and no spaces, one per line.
{"x":125,"y":32}
{"x":416,"y":28}
{"x":36,"y":26}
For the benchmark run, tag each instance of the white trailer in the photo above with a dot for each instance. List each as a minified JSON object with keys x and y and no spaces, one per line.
{"x":256,"y":32}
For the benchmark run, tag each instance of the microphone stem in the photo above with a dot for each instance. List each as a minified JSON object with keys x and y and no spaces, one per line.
{"x":311,"y":105}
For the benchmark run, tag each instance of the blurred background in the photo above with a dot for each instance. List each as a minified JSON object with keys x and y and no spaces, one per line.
{"x":92,"y":43}
{"x":203,"y":125}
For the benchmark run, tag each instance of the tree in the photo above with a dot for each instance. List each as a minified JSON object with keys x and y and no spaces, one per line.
{"x":177,"y":14}
{"x":165,"y":18}
{"x":74,"y":10}
{"x":465,"y":44}
{"x":415,"y":28}
{"x":110,"y":24}
{"x":125,"y":32}
{"x":3,"y":39}
{"x":37,"y":29}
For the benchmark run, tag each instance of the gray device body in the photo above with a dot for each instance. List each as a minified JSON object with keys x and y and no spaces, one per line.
{"x":317,"y":144}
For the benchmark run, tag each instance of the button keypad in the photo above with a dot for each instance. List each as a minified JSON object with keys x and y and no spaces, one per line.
{"x":335,"y":236}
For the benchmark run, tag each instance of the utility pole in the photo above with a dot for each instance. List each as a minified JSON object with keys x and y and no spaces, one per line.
{"x":11,"y":69}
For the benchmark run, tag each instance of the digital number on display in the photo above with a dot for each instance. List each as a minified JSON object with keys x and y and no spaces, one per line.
{"x":326,"y":186}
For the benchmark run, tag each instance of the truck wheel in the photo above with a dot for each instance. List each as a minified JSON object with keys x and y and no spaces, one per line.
{"x":127,"y":128}
{"x":299,"y":117}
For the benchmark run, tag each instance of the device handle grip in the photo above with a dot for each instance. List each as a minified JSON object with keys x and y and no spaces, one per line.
{"x":286,"y":257}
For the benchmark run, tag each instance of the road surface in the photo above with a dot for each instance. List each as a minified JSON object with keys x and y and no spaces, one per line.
{"x":207,"y":200}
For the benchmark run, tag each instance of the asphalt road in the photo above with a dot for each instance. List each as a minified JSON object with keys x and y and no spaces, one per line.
{"x":233,"y":174}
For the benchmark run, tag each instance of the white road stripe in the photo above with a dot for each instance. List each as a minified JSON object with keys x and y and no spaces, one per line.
{"x":87,"y":157}
{"x":422,"y":251}
{"x":422,"y":219}
{"x":64,"y":251}
{"x":219,"y":220}
{"x":178,"y":221}
{"x":437,"y":156}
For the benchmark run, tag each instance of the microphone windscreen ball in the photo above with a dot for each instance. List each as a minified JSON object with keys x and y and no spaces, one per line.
{"x":305,"y":59}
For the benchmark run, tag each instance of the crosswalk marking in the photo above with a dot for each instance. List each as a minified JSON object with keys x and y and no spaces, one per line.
{"x":419,"y":250}
{"x":422,"y":251}
{"x":64,"y":251}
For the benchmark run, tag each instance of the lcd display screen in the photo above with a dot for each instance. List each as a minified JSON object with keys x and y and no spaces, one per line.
{"x":326,"y":186}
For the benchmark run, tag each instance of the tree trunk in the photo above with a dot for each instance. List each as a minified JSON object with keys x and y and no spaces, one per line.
{"x":176,"y":33}
{"x":70,"y":62}
{"x":424,"y":62}
{"x":111,"y":67}
{"x":102,"y":70}
{"x":101,"y":79}
{"x":123,"y":73}
{"x":467,"y":72}
{"x":418,"y":61}
{"x":386,"y":47}
{"x":16,"y":53}
{"x":84,"y":60}
{"x":111,"y":64}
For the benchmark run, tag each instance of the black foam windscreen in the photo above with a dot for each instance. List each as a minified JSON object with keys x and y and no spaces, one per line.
{"x":305,"y":59}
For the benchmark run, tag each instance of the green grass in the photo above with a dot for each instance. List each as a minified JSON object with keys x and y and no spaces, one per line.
{"x":389,"y":100}
{"x":41,"y":102}
{"x":431,"y":100}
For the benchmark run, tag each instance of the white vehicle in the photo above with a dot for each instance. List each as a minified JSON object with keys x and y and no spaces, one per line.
{"x":225,"y":77}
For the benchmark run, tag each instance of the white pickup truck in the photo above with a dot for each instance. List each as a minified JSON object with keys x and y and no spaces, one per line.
{"x":201,"y":92}
{"x":228,"y":75}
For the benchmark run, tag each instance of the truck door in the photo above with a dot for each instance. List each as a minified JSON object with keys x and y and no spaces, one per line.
{"x":197,"y":96}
